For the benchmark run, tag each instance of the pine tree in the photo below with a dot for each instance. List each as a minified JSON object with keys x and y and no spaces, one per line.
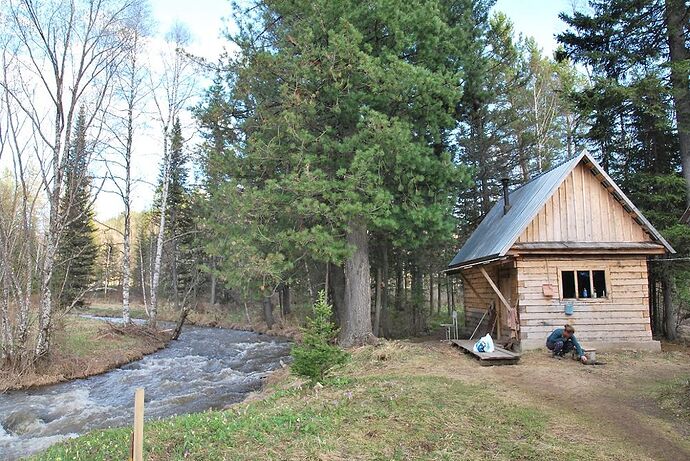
{"x":345,"y":130}
{"x":513,"y":120}
{"x":77,"y":249}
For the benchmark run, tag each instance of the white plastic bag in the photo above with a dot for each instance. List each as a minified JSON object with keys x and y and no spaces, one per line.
{"x":485,"y":344}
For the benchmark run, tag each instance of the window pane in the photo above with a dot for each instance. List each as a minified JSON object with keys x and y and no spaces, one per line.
{"x":583,"y":284}
{"x":599,"y":280}
{"x":568,"y":279}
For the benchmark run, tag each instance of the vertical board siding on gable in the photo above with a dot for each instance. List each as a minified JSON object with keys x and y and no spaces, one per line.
{"x":624,"y":316}
{"x":582,"y":210}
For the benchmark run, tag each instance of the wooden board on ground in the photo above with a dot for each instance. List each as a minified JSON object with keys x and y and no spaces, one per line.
{"x":499,"y":356}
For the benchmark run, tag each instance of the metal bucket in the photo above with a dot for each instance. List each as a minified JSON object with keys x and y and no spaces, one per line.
{"x":569,"y":308}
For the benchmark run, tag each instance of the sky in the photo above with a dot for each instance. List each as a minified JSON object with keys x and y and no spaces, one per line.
{"x":537,"y":18}
{"x":206,"y":19}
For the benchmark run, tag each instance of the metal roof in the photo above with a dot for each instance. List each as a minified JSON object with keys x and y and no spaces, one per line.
{"x":498,"y":232}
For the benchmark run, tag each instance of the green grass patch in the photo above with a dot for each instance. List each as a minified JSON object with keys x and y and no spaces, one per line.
{"x":674,"y":397}
{"x":113,"y":311}
{"x":83,"y":337}
{"x":362,"y":413}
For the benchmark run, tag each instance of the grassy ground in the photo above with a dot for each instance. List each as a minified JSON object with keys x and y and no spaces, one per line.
{"x":113,"y":310}
{"x":403,"y":401}
{"x":84,"y":347}
{"x":674,"y":396}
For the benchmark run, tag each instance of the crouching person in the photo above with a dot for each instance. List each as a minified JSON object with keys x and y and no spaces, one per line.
{"x":562,"y":340}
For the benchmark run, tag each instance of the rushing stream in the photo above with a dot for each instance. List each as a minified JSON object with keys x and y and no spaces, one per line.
{"x":206,"y":368}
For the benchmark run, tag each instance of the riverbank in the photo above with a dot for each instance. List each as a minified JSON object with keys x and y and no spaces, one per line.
{"x":404,"y":401}
{"x":210,"y":317}
{"x":86,"y":347}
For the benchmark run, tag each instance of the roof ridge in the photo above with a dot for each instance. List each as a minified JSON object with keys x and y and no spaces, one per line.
{"x":560,"y":164}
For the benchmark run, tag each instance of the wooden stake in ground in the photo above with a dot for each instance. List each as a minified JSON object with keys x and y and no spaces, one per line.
{"x":137,"y":453}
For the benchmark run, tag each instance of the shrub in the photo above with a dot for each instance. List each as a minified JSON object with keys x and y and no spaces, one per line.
{"x":316,"y":355}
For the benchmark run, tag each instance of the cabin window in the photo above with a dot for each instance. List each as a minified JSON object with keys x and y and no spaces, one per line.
{"x":583,"y":284}
{"x":599,"y":283}
{"x":568,"y":278}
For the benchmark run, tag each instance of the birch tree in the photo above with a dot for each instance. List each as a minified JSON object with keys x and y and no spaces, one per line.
{"x":132,"y":94}
{"x":20,"y":194}
{"x":170,"y":97}
{"x":65,"y":54}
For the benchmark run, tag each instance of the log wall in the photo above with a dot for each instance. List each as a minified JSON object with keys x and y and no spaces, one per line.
{"x":621,"y":317}
{"x":478,"y":294}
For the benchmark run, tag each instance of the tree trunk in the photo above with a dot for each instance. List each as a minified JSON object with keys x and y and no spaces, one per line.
{"x":452,"y":295}
{"x":268,"y":312}
{"x":161,"y":234}
{"x":126,"y":258}
{"x":385,"y":317}
{"x":46,"y":303}
{"x":676,"y":18}
{"x":337,"y":281}
{"x":310,"y":283}
{"x":280,"y":301}
{"x":213,"y":282}
{"x":126,"y":246}
{"x":356,"y":327}
{"x":143,"y":278}
{"x":106,"y":282}
{"x":431,"y":291}
{"x":399,"y":287}
{"x":418,"y":317}
{"x":287,"y":299}
{"x":669,"y":314}
{"x":126,"y":269}
{"x":7,"y":341}
{"x":180,"y":322}
{"x":379,"y":289}
{"x":438,"y":294}
{"x":175,"y":275}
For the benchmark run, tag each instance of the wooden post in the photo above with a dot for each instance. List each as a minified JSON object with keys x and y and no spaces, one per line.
{"x":138,"y":444}
{"x":500,"y":297}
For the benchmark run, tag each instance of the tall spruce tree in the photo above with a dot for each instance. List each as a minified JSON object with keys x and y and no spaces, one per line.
{"x":77,"y":249}
{"x":630,"y":106}
{"x":624,"y":42}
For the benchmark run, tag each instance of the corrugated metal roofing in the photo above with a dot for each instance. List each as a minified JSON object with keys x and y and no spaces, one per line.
{"x":498,"y":232}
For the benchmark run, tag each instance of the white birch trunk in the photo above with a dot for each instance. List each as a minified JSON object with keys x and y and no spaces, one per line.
{"x":126,"y":244}
{"x":161,"y":235}
{"x":143,"y":279}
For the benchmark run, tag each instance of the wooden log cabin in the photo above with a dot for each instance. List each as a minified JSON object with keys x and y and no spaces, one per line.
{"x":566,"y":247}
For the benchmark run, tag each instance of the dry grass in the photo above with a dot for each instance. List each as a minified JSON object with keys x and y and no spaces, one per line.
{"x":217,"y":316}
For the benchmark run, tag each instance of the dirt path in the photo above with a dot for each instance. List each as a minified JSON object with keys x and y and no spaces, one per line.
{"x":615,"y":400}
